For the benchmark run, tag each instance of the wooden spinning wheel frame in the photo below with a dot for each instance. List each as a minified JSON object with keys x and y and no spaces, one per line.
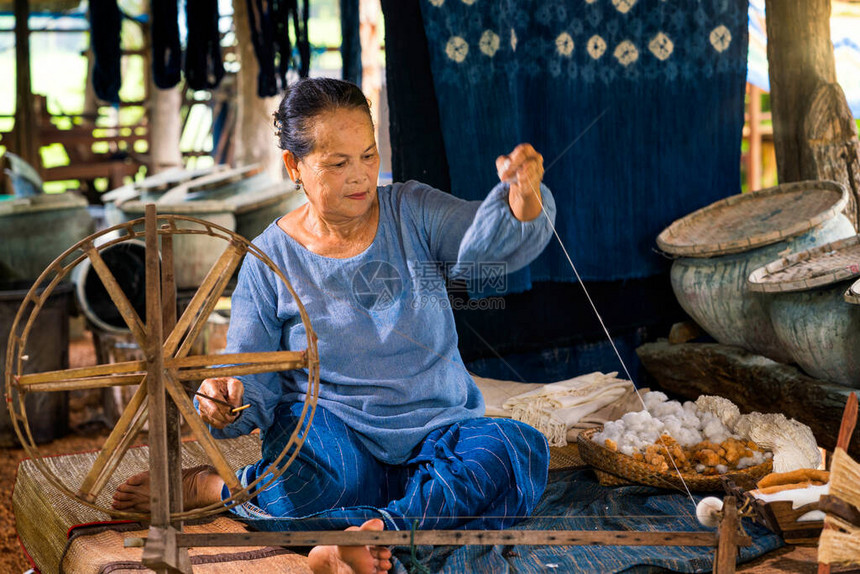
{"x":166,"y":343}
{"x":167,"y":364}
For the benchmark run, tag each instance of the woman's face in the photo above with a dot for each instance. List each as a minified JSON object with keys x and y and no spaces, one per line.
{"x":340,"y":174}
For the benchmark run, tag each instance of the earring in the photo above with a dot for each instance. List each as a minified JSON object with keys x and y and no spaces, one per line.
{"x":298,"y":183}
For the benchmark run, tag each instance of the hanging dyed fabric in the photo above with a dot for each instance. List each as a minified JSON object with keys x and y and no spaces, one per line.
{"x":418,"y":151}
{"x":105,"y":24}
{"x":166,"y":49}
{"x":637,"y":107}
{"x":203,"y":66}
{"x":350,"y":46}
{"x":269,"y":22}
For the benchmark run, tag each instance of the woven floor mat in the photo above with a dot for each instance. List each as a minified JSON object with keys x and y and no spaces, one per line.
{"x":104,"y":553}
{"x":44,"y":515}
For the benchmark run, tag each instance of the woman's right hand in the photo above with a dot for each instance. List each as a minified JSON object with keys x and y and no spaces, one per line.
{"x":227,"y":389}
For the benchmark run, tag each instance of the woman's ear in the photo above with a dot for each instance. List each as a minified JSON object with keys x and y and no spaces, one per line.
{"x":292,"y":166}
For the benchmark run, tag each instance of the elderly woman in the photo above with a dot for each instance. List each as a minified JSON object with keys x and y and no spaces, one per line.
{"x":398,"y":433}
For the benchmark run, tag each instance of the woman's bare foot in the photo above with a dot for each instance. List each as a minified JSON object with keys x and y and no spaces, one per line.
{"x":352,"y":559}
{"x":201,"y":486}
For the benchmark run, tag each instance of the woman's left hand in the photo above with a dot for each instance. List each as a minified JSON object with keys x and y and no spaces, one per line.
{"x":523,"y":170}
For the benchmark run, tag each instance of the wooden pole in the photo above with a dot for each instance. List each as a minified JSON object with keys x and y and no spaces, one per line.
{"x":813,"y":131}
{"x":26,"y":135}
{"x":754,"y":156}
{"x":800,"y":58}
{"x":254,"y":138}
{"x":173,"y":418}
{"x":161,"y":553}
{"x":727,"y":550}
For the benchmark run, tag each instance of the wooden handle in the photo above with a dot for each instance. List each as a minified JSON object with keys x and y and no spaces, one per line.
{"x":849,"y":421}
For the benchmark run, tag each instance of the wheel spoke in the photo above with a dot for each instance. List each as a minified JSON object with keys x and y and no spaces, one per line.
{"x":236,"y":364}
{"x":201,"y":433}
{"x":87,"y":383}
{"x":116,"y":445}
{"x":203,"y":303}
{"x":82,"y":374}
{"x":123,"y":305}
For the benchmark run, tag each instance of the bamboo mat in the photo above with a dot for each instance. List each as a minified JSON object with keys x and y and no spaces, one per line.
{"x":103,"y":553}
{"x":44,"y":516}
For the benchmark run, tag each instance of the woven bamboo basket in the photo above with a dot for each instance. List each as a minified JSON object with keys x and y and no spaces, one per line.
{"x":852,"y":295}
{"x":616,"y":469}
{"x":808,"y":312}
{"x":750,"y":220}
{"x":817,"y":267}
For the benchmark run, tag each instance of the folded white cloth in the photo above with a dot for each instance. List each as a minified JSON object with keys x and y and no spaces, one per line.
{"x":557,"y":407}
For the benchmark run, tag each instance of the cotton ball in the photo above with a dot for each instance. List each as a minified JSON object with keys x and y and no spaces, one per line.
{"x":691,"y":417}
{"x":714,"y":430}
{"x":673,"y":426}
{"x":689,"y":437}
{"x":637,"y":420}
{"x":708,"y":511}
{"x":722,"y":469}
{"x":654,"y":398}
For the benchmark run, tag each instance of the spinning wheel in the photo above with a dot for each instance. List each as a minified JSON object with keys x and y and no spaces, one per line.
{"x":166,"y":343}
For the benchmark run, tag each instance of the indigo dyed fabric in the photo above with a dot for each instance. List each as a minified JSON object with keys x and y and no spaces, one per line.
{"x":389,"y":364}
{"x":105,"y":24}
{"x":166,"y":49}
{"x":350,"y":46}
{"x":575,"y":501}
{"x":481,"y":473}
{"x":269,"y":21}
{"x":418,"y":151}
{"x":203,"y":66}
{"x":637,"y":107}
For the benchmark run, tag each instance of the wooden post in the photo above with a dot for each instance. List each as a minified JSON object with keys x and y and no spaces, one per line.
{"x":813,"y":136}
{"x":26,"y":135}
{"x":165,"y":123}
{"x":165,"y":129}
{"x":727,"y":550}
{"x":800,"y":58}
{"x":370,"y":13}
{"x":174,"y":420}
{"x":754,"y":155}
{"x":830,"y":133}
{"x":163,"y":555}
{"x":254,"y":138}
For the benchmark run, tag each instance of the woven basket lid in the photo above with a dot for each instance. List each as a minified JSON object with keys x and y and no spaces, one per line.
{"x":749,"y":220}
{"x":852,"y":295}
{"x":816,"y":267}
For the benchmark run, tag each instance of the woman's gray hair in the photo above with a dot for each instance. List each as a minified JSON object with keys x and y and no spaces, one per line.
{"x":307,"y":99}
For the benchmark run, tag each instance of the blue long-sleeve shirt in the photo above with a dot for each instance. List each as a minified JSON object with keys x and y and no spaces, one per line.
{"x":389,"y":364}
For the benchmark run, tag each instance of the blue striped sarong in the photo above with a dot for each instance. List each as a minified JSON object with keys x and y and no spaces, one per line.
{"x":477,"y":474}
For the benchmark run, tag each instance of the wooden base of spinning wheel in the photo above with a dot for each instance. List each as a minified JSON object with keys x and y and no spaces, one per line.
{"x":161,"y":398}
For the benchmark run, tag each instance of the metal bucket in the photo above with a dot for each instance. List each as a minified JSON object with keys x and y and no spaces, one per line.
{"x":35,"y":230}
{"x":127,"y":262}
{"x":47,"y":350}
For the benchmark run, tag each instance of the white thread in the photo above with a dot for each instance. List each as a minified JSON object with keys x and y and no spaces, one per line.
{"x":597,"y":313}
